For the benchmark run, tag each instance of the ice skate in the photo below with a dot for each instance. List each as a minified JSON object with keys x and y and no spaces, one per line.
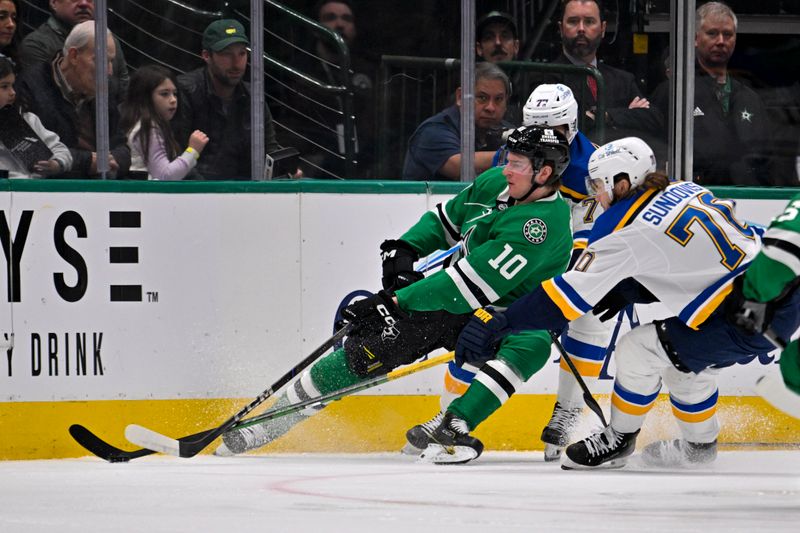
{"x":607,"y":449}
{"x":249,"y":438}
{"x":451,"y":443}
{"x":419,"y":436}
{"x":555,"y":434}
{"x":679,"y":452}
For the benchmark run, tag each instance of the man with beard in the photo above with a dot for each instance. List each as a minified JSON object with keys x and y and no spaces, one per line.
{"x":582,"y":27}
{"x":42,"y":44}
{"x":730,"y":123}
{"x":496,"y":37}
{"x":215,"y":100}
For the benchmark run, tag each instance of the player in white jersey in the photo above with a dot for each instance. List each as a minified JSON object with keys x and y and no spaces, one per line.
{"x":672,"y":242}
{"x":587,"y":339}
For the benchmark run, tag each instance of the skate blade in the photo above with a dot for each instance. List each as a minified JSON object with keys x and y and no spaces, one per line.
{"x":552,"y":453}
{"x":447,"y":455}
{"x":223,"y":451}
{"x":410,"y":449}
{"x":569,"y":464}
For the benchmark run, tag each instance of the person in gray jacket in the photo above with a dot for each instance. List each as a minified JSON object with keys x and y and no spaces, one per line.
{"x":42,"y":44}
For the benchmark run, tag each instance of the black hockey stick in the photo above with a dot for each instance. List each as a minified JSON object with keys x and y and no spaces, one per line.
{"x":193,"y":444}
{"x":587,"y":395}
{"x":110,"y":453}
{"x":156,"y":441}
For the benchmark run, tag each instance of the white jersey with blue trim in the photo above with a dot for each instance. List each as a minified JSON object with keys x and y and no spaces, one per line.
{"x":585,"y":209}
{"x":683,"y":244}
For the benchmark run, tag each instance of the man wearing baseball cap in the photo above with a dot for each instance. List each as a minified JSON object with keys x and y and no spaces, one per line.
{"x":215,"y":100}
{"x":496,"y":37}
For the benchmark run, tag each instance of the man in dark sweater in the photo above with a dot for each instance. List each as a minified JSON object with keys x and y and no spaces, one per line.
{"x":61,"y":93}
{"x":214,"y":99}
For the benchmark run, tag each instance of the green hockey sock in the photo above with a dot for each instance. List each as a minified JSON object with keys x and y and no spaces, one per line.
{"x":332,"y":373}
{"x":790,"y":366}
{"x":475,"y":405}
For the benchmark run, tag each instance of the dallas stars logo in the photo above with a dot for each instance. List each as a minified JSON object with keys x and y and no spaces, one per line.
{"x":746,"y":115}
{"x":535,"y":230}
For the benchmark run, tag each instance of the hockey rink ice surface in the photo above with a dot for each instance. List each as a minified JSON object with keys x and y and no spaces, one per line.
{"x":743,"y":491}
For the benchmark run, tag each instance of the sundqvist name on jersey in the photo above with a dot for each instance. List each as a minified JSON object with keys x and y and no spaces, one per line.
{"x":668,"y":200}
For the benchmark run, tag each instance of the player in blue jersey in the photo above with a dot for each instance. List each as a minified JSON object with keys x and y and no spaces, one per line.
{"x":659,"y":240}
{"x":587,"y":339}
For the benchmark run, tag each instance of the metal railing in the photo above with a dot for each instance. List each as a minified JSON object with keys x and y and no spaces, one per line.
{"x":415,"y":88}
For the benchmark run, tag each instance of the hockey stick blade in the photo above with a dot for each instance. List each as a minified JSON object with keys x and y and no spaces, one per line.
{"x":106,"y":451}
{"x":188,"y":447}
{"x":772,"y":388}
{"x":147,"y":438}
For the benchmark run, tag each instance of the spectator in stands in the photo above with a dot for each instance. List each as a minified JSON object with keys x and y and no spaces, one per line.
{"x":730,"y":122}
{"x":582,"y":27}
{"x":62,"y":94}
{"x":434,"y":149}
{"x":496,"y":37}
{"x":41,"y":45}
{"x":151,"y":104}
{"x":9,"y":36}
{"x":214,"y":99}
{"x":18,"y":155}
{"x":317,"y":116}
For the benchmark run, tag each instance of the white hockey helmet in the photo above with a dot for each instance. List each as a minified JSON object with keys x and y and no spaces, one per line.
{"x":631,"y":156}
{"x":552,"y":105}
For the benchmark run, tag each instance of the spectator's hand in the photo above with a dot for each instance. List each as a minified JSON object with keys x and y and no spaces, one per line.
{"x":639,"y":103}
{"x":198,"y":140}
{"x":113,"y":166}
{"x":47,"y":168}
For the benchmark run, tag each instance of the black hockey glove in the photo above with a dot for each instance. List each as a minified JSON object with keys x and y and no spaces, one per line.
{"x":376,"y":310}
{"x":750,"y":316}
{"x":610,"y":305}
{"x":626,"y":292}
{"x":477,"y":342}
{"x":398,"y":265}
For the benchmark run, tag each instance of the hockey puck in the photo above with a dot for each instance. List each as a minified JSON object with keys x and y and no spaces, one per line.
{"x":118,"y":459}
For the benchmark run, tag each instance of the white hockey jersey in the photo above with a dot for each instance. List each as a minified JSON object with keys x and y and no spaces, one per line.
{"x":682,"y":244}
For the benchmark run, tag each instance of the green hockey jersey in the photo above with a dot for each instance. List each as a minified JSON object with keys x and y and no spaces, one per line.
{"x":506,"y":249}
{"x":778,"y":263}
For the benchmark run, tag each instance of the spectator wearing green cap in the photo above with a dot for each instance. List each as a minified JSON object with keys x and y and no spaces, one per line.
{"x":215,"y":99}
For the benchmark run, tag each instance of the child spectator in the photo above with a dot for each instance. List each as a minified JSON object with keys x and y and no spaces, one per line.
{"x":23,"y":139}
{"x":152,"y":102}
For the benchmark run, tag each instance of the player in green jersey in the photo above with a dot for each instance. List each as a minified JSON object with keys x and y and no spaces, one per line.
{"x":514,"y":230}
{"x":771,"y":278}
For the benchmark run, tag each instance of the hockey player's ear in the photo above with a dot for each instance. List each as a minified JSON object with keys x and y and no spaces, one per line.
{"x":544,"y":174}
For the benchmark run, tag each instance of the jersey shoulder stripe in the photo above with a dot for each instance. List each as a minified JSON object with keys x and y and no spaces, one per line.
{"x":621,"y":214}
{"x":451,"y":231}
{"x":783,"y":246}
{"x":572,"y":195}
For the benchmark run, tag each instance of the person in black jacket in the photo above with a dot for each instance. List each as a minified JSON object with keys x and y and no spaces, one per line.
{"x":731,"y":132}
{"x":215,"y":99}
{"x":61,"y":94}
{"x":582,"y":27}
